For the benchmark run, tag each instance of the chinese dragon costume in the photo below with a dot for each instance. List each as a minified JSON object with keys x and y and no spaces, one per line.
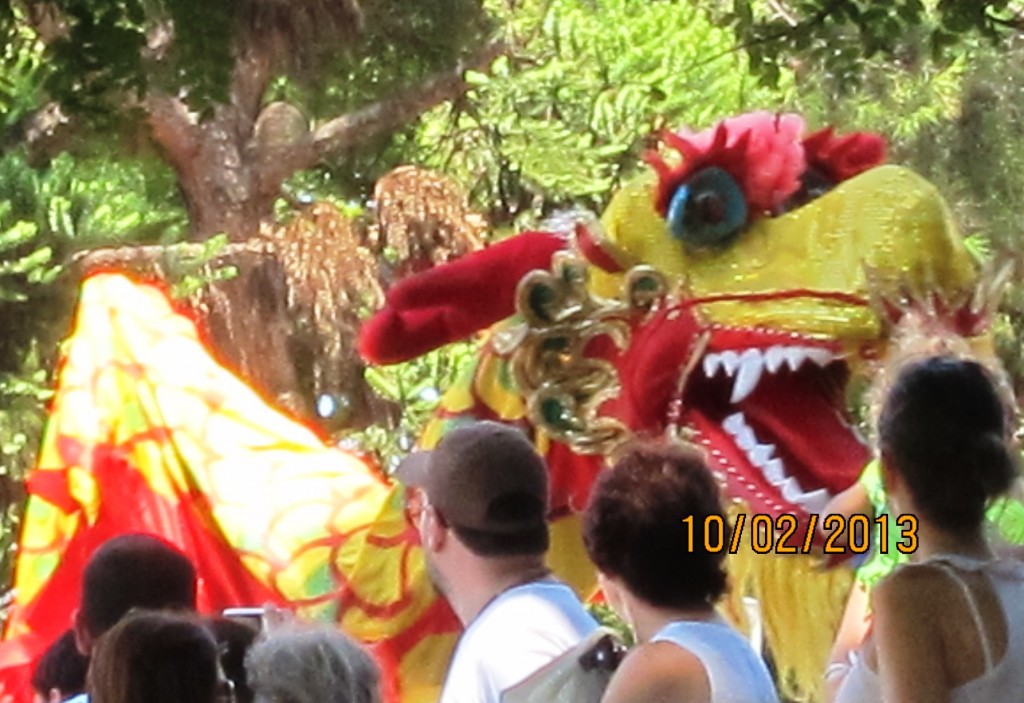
{"x":726,"y":297}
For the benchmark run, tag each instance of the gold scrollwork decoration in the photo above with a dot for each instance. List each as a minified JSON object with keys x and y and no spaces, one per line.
{"x":564,"y":387}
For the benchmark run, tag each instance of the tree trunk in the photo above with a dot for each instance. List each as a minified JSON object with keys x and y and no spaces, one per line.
{"x":218,"y":171}
{"x":218,"y":191}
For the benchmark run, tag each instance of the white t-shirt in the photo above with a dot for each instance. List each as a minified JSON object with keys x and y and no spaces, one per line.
{"x":517,"y":633}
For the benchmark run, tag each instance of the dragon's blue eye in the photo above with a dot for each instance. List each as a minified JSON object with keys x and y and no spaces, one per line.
{"x":708,"y":210}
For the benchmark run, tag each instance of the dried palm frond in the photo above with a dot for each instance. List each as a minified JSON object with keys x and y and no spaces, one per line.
{"x":331,"y":280}
{"x":926,"y":327}
{"x":287,"y":322}
{"x":327,"y":269}
{"x":423,"y":219}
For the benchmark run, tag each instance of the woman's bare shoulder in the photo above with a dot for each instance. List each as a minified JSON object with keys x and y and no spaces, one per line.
{"x":915,"y":589}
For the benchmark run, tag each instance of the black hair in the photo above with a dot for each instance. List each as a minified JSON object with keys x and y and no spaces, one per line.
{"x":234,"y":639}
{"x":134,"y":571}
{"x":61,"y":667}
{"x":634,"y":526}
{"x":944,"y":428}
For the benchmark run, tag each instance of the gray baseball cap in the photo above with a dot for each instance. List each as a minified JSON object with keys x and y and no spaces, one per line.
{"x":486,"y":476}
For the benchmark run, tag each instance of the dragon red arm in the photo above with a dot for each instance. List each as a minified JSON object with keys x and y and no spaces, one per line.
{"x":451,"y":302}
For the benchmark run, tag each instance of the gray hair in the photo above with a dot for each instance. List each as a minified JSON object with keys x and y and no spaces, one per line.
{"x":304,"y":663}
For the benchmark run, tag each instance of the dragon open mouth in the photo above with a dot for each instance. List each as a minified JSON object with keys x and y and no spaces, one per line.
{"x":762,"y":413}
{"x":769,"y":406}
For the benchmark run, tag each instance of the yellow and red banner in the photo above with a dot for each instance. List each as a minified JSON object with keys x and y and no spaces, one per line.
{"x":148,"y":433}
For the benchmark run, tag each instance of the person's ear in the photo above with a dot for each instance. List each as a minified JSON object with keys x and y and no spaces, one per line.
{"x":54,"y":696}
{"x":433,"y":533}
{"x":83,"y":640}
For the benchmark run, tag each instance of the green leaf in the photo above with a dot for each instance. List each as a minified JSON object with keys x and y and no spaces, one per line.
{"x":8,"y":295}
{"x":45,"y":275}
{"x":22,"y":265}
{"x":476,"y":78}
{"x":18,"y":234}
{"x":500,"y":67}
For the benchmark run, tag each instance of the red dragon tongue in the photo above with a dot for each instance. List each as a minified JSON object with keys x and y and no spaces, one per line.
{"x":817,"y":445}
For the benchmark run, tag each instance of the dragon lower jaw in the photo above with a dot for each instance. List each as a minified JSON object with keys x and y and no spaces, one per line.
{"x":774,"y":424}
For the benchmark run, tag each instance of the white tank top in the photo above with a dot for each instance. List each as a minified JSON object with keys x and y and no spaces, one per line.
{"x":734,"y":670}
{"x":1002,"y":681}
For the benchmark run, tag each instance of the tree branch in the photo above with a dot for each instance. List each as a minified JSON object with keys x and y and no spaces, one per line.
{"x":46,"y":20}
{"x":784,"y":12}
{"x":377,"y":118}
{"x":147,"y":256}
{"x":391,"y":113}
{"x":249,"y":81}
{"x":174,"y":129}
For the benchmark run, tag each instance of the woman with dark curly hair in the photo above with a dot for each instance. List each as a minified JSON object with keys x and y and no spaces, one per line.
{"x":658,"y":575}
{"x":949,"y":626}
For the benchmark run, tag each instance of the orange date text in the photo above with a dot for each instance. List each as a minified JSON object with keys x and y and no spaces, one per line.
{"x":784,"y":534}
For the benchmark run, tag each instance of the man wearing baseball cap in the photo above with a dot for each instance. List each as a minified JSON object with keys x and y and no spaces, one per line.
{"x":482,"y":520}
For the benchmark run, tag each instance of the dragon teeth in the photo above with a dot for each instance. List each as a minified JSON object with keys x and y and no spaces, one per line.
{"x":791,"y":490}
{"x":820,"y":357}
{"x":730,"y":362}
{"x":749,"y":366}
{"x":814,"y":501}
{"x":774,"y":358}
{"x":795,"y":357}
{"x":734,"y":423}
{"x":746,"y":439}
{"x":774,"y":471}
{"x":760,"y":454}
{"x":711,"y":364}
{"x":763,"y":456}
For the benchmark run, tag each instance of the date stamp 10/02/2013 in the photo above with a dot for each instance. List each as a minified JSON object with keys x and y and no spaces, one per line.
{"x":779,"y":535}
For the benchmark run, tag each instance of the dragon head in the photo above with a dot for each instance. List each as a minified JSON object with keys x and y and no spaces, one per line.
{"x":781,"y":261}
